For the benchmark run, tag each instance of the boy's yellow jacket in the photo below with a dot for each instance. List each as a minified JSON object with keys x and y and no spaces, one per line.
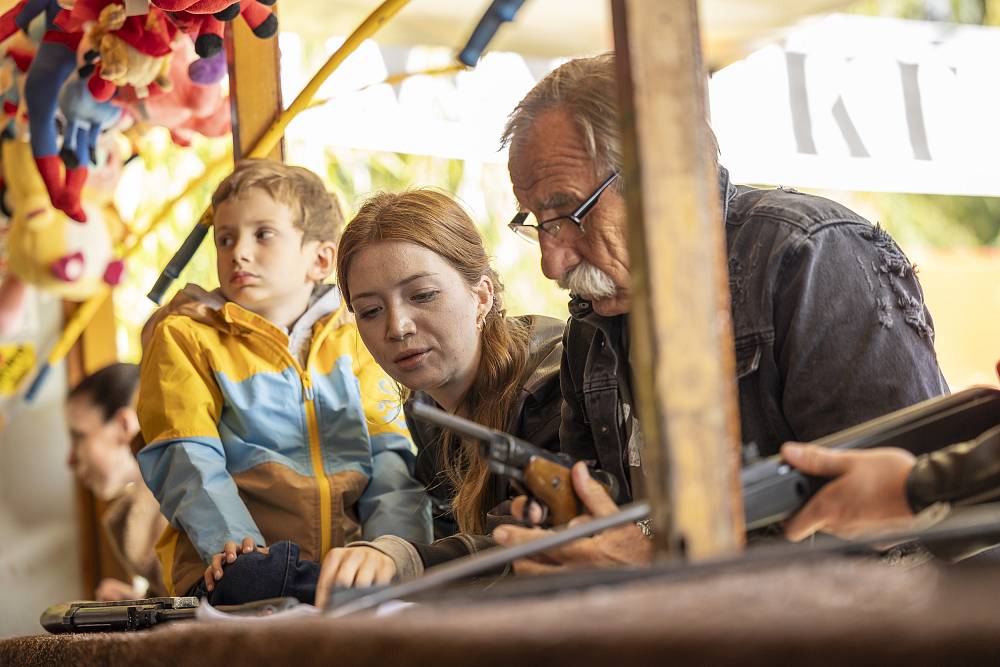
{"x":244,"y":442}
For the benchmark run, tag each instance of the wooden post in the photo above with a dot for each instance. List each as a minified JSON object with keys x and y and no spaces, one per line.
{"x":254,"y":87}
{"x":680,"y":310}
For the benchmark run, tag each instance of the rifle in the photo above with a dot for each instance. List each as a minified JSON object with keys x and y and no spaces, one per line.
{"x":131,"y":615}
{"x":773,"y":490}
{"x":532,"y":471}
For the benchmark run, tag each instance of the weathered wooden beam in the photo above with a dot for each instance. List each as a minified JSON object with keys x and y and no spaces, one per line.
{"x":254,"y":87}
{"x":680,"y":311}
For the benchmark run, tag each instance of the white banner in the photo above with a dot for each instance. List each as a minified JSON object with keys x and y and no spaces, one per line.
{"x":861,"y":103}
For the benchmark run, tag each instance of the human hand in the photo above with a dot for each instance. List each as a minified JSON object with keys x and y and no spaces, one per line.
{"x":112,"y":590}
{"x":228,"y":555}
{"x":619,"y":546}
{"x":353,"y":567}
{"x":867,"y":494}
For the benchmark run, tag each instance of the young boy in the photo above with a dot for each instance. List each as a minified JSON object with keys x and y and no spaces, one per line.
{"x":265,"y":416}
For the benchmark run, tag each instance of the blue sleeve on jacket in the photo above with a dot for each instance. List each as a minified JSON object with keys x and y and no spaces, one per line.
{"x":197,"y":494}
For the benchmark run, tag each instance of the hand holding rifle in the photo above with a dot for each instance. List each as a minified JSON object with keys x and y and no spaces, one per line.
{"x":867,"y":492}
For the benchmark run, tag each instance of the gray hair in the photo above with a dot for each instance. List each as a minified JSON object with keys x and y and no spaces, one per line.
{"x":586,"y":89}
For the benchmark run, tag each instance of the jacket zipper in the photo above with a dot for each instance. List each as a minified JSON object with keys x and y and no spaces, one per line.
{"x":316,"y":456}
{"x":315,"y":450}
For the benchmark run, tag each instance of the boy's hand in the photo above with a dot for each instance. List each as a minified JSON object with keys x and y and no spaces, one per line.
{"x":228,"y":555}
{"x":355,"y":567}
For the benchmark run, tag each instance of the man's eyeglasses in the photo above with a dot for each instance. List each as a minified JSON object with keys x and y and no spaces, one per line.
{"x":527,"y":226}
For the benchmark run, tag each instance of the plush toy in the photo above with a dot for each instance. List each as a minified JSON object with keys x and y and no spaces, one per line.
{"x":15,"y":59}
{"x":134,"y":52}
{"x":208,"y":71}
{"x":45,"y":249}
{"x":202,"y":20}
{"x":85,"y":118}
{"x":53,"y":64}
{"x":124,"y":50}
{"x":187,"y":108}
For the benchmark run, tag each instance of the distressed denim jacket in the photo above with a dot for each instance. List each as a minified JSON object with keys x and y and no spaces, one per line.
{"x":829,"y":323}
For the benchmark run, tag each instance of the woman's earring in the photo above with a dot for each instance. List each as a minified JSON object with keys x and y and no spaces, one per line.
{"x":480,"y":322}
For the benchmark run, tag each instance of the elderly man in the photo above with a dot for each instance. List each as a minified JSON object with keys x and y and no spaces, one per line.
{"x":829,"y":321}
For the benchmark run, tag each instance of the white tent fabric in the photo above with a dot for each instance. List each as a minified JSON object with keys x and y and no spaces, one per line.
{"x":861,"y":103}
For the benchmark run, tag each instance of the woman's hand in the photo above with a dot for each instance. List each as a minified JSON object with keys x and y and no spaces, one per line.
{"x":229,"y":553}
{"x":353,"y":567}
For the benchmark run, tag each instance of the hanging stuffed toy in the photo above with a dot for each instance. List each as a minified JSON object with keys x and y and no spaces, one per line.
{"x":45,"y":249}
{"x":202,"y":21}
{"x":137,"y":48}
{"x":86,"y":118}
{"x":53,"y":64}
{"x":15,"y":59}
{"x":124,"y":50}
{"x":187,"y":109}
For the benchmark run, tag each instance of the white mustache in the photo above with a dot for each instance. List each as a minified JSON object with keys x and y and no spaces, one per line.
{"x":589,"y":282}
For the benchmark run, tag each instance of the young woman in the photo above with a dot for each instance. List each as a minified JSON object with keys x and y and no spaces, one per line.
{"x":429,"y":307}
{"x":100,"y":412}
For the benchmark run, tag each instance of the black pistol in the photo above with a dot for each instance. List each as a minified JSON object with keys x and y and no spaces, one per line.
{"x":132,"y":615}
{"x":540,"y":474}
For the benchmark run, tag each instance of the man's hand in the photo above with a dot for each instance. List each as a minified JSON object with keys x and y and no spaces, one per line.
{"x":112,"y":590}
{"x":620,"y":546}
{"x":228,"y":555}
{"x":867,"y":494}
{"x":353,"y":567}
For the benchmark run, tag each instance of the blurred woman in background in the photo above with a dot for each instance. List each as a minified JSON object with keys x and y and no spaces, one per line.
{"x":100,"y":413}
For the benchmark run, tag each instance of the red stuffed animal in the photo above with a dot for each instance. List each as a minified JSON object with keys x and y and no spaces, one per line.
{"x":124,"y":50}
{"x":202,"y":19}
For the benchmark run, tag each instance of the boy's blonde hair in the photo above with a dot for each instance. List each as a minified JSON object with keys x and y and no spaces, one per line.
{"x":318,"y":212}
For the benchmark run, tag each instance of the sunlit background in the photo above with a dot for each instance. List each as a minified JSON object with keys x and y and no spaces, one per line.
{"x":444,"y":131}
{"x":888,"y":106}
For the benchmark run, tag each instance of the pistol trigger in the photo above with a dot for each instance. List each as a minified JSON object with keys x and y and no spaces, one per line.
{"x":545,"y":512}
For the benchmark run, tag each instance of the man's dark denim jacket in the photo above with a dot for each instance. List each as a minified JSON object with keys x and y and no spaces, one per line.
{"x":829,"y":322}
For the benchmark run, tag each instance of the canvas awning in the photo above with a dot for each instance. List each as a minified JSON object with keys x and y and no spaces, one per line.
{"x":554,"y":28}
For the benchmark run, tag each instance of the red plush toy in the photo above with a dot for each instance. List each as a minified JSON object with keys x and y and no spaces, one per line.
{"x":124,"y":50}
{"x":202,"y":19}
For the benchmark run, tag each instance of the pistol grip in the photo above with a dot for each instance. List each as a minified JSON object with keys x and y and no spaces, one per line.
{"x":550,"y":484}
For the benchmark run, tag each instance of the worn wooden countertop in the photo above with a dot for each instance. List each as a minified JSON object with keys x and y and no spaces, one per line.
{"x":828,"y":612}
